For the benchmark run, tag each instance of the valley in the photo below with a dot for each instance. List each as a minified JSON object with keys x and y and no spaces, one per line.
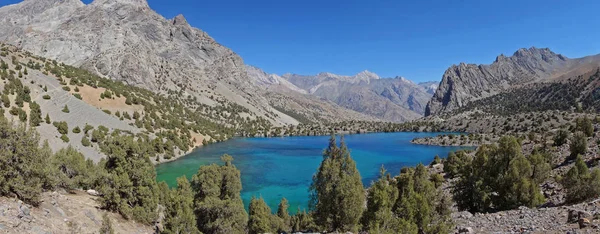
{"x":116,"y":119}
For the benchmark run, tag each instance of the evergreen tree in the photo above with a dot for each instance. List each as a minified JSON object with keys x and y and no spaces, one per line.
{"x":584,"y":124}
{"x":454,"y":162}
{"x":22,"y":166}
{"x":219,"y":207}
{"x":179,"y":208}
{"x":260,"y":217}
{"x":420,"y":206}
{"x":282,"y":213}
{"x":379,"y":216}
{"x":131,"y":182}
{"x":578,"y":145}
{"x":580,"y":183}
{"x":337,"y":193}
{"x":35,"y":114}
{"x":500,"y":178}
{"x":5,"y":101}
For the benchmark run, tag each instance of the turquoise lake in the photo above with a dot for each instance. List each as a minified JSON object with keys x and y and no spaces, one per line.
{"x":283,"y":167}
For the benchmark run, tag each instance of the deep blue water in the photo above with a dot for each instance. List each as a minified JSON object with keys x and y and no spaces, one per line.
{"x":283,"y":167}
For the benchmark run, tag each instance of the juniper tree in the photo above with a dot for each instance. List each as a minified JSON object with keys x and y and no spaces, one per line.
{"x":337,"y":193}
{"x":282,"y":213}
{"x":578,"y":145}
{"x":35,"y":114}
{"x":260,"y":220}
{"x":580,"y":183}
{"x":179,"y":208}
{"x":131,"y":183}
{"x":500,"y":177}
{"x":219,"y":207}
{"x":22,"y":166}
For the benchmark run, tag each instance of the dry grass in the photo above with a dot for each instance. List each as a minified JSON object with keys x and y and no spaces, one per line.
{"x":91,"y":96}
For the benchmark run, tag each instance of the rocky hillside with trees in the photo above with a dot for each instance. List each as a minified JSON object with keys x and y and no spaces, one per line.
{"x":141,"y":48}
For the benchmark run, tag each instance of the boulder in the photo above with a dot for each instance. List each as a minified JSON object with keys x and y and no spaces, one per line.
{"x":465,"y":230}
{"x":584,"y":222}
{"x":93,"y":192}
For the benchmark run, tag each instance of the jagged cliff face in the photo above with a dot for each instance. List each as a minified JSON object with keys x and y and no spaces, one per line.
{"x":126,"y":40}
{"x":467,"y":82}
{"x":395,"y":99}
{"x":121,"y":39}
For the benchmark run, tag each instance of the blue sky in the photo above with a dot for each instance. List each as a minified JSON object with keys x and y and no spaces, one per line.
{"x":415,"y":39}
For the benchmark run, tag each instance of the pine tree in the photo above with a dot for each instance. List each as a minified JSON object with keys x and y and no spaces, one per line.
{"x":5,"y":101}
{"x":580,"y":183}
{"x":219,"y":207}
{"x":499,"y":177}
{"x":260,"y":217}
{"x":584,"y":124}
{"x":578,"y":145}
{"x":379,"y":216}
{"x":35,"y":114}
{"x":282,"y":213}
{"x":337,"y":193}
{"x":179,"y":208}
{"x":131,"y":183}
{"x":22,"y":172}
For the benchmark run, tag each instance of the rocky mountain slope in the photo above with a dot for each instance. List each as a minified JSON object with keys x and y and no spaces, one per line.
{"x":75,"y":212}
{"x":395,"y":99}
{"x":127,"y":41}
{"x":464,"y":83}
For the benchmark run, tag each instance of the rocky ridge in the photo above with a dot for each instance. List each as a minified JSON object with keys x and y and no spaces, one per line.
{"x":464,"y":83}
{"x":126,"y":40}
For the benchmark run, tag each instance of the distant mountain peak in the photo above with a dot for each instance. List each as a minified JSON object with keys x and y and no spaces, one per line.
{"x":368,"y":75}
{"x":137,"y":3}
{"x":180,"y":20}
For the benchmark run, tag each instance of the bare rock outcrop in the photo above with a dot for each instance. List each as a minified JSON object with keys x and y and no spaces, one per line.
{"x":467,"y":82}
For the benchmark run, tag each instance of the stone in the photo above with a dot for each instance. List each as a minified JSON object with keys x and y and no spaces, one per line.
{"x":24,"y":210}
{"x":93,"y":192}
{"x":91,"y":215}
{"x":584,"y":222}
{"x":465,"y":230}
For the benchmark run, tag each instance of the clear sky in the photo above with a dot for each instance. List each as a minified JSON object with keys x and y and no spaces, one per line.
{"x":415,"y":39}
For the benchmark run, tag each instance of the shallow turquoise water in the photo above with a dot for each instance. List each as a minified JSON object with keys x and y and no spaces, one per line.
{"x":283,"y":167}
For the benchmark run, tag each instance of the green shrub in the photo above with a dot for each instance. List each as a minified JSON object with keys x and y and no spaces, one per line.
{"x":62,"y":127}
{"x":561,"y":137}
{"x":65,"y":109}
{"x":578,"y":145}
{"x":46,"y":97}
{"x":66,"y":88}
{"x":85,"y":142}
{"x":64,"y":138}
{"x":499,"y":178}
{"x":78,"y":96}
{"x":580,"y":183}
{"x":76,"y":130}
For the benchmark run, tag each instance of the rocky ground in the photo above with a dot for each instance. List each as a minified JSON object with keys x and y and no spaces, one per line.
{"x":62,"y":213}
{"x":552,"y":217}
{"x":580,"y":218}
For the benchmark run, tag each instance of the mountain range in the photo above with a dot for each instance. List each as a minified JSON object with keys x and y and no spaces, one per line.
{"x":125,"y":40}
{"x":392,"y":99}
